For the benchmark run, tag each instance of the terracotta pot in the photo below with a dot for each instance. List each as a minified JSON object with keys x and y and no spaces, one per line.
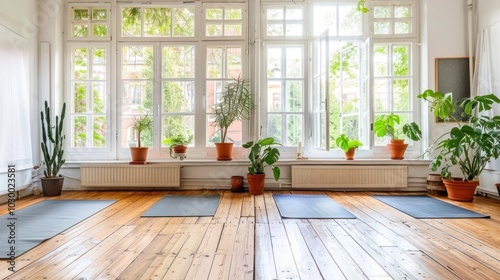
{"x":349,"y":155}
{"x":459,"y":190}
{"x":435,"y":185}
{"x":178,"y":151}
{"x":256,"y":183}
{"x":237,"y":184}
{"x":498,"y":188}
{"x":139,"y":154}
{"x":224,"y":151}
{"x":52,"y":186}
{"x":397,"y":148}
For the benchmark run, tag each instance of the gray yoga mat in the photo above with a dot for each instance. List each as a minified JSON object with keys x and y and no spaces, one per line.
{"x":425,"y":207}
{"x":43,"y":220}
{"x":310,"y":207}
{"x":184,"y":206}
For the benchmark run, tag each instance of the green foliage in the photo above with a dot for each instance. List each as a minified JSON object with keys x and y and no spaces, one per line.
{"x":178,"y":140}
{"x":262,"y":154}
{"x":360,"y":7}
{"x":388,"y":125}
{"x":236,"y":104}
{"x":345,"y":143}
{"x":470,"y":145}
{"x":141,"y":124}
{"x":52,"y":138}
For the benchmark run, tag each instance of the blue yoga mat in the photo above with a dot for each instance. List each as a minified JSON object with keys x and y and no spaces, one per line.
{"x":184,"y":206}
{"x":310,"y":207}
{"x":425,"y":207}
{"x":36,"y":223}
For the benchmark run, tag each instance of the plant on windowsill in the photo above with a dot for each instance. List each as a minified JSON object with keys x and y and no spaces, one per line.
{"x":53,"y":151}
{"x":388,"y":125}
{"x":348,"y":146}
{"x":262,"y":154}
{"x":178,"y":145}
{"x":236,"y":104}
{"x":141,"y":124}
{"x":470,"y":145}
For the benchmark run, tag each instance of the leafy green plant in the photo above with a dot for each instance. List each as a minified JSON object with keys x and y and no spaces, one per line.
{"x":178,"y":140}
{"x":360,"y":7}
{"x":52,"y":137}
{"x":469,"y":145}
{"x":262,"y":154}
{"x":236,"y":104}
{"x":141,"y":124}
{"x":345,"y":143}
{"x":387,"y":125}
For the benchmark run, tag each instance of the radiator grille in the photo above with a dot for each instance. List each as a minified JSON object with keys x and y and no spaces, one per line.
{"x":125,"y":175}
{"x":349,"y":176}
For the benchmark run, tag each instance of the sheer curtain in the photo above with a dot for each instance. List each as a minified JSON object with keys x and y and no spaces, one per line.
{"x":487,"y":70}
{"x":15,"y":136}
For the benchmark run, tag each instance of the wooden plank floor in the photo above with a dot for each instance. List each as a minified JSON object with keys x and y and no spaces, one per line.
{"x":247,"y":239}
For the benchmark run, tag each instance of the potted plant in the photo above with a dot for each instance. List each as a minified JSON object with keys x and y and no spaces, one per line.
{"x":348,"y":146}
{"x":178,"y":145}
{"x":262,"y":154}
{"x":469,"y":145}
{"x":53,"y":151}
{"x":141,"y":123}
{"x":388,"y":125}
{"x":236,"y":104}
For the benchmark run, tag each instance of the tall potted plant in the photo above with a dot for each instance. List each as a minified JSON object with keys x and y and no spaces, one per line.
{"x":236,"y":104}
{"x":141,"y":124}
{"x":262,"y":154}
{"x":470,"y":145}
{"x":387,"y":125}
{"x":53,"y":151}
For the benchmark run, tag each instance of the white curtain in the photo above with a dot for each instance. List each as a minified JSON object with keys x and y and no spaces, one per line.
{"x":487,"y":70}
{"x":15,"y":136}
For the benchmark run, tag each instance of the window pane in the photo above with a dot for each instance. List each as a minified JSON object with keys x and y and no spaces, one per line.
{"x":80,"y":30}
{"x":214,"y":30}
{"x":79,"y":97}
{"x":178,"y":97}
{"x":276,"y":14}
{"x":325,"y":17}
{"x":274,"y":62}
{"x":214,"y":14}
{"x":183,"y":25}
{"x":294,"y":62}
{"x":275,"y":126}
{"x":81,"y":14}
{"x":294,"y":129}
{"x":402,"y":27}
{"x":233,"y":14}
{"x":350,"y":98}
{"x":79,"y":124}
{"x":381,"y":91}
{"x":99,"y":64}
{"x":401,"y":94}
{"x":382,"y":12}
{"x":294,"y":96}
{"x":233,"y":62}
{"x":214,"y":90}
{"x":80,"y":60}
{"x":275,"y":29}
{"x":350,"y":126}
{"x":99,"y":14}
{"x":400,"y":60}
{"x":233,"y":29}
{"x":131,"y":22}
{"x":99,"y":97}
{"x":137,"y":62}
{"x":214,"y":62}
{"x":294,"y":13}
{"x":380,"y":61}
{"x":294,"y":29}
{"x":350,"y":21}
{"x":402,"y":11}
{"x":137,"y":96}
{"x":382,"y":27}
{"x":99,"y":30}
{"x":157,"y":22}
{"x":274,"y":96}
{"x":178,"y":61}
{"x":99,"y":131}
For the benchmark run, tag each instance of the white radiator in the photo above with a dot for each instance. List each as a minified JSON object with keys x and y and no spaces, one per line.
{"x":349,"y":176}
{"x":125,"y":175}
